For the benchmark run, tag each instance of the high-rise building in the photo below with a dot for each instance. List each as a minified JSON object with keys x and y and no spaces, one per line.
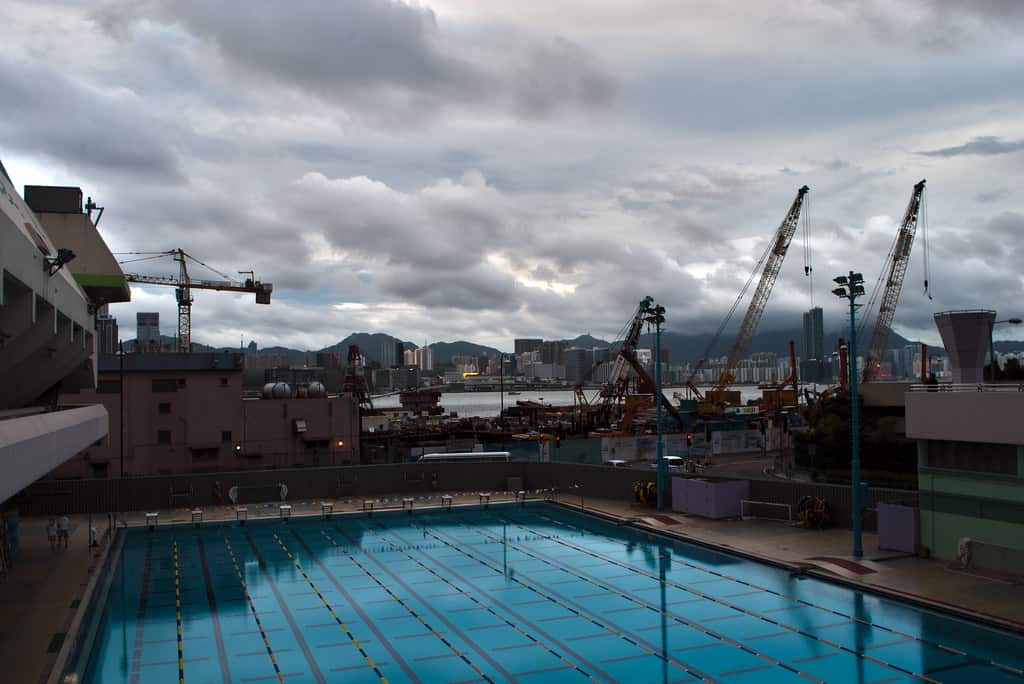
{"x":424,"y":357}
{"x":578,"y":363}
{"x":399,"y":354}
{"x":147,"y":331}
{"x":814,"y":345}
{"x":527,"y":344}
{"x":552,"y":351}
{"x":106,"y":332}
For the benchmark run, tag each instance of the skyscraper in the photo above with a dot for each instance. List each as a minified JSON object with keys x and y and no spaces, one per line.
{"x":147,"y":331}
{"x":106,"y":332}
{"x":399,"y":354}
{"x":527,"y":344}
{"x":814,"y":345}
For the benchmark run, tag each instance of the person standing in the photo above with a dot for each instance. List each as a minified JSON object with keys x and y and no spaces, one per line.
{"x":51,"y":534}
{"x":63,"y":525}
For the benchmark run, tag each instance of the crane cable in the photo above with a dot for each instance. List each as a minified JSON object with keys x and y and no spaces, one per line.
{"x":924,"y":240}
{"x":808,"y":266}
{"x":728,"y":316}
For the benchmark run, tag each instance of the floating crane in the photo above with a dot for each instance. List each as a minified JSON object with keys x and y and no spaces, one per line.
{"x":618,"y":379}
{"x":184,"y":284}
{"x":892,"y":273}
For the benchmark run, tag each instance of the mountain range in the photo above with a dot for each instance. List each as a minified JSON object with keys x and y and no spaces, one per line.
{"x":682,"y":348}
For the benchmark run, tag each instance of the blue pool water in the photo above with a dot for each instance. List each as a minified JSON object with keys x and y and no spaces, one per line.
{"x":507,"y":594}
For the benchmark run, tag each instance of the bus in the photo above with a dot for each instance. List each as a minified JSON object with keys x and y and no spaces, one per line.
{"x":466,"y":457}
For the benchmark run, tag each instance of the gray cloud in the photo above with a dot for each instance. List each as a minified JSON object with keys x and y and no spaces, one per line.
{"x":388,"y":60}
{"x":985,"y":145}
{"x":395,"y":168}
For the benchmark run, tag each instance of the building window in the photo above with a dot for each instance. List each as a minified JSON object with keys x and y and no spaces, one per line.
{"x":975,"y":457}
{"x":99,"y":469}
{"x":165,"y":385}
{"x":223,"y":382}
{"x":163,"y":407}
{"x":108,"y":387}
{"x":225,"y":435}
{"x":163,"y":437}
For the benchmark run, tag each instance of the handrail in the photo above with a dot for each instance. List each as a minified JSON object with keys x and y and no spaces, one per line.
{"x":968,"y":387}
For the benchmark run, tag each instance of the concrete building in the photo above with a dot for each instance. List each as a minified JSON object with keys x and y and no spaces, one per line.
{"x":423,"y":358}
{"x":398,"y":357}
{"x":578,"y":363}
{"x":966,"y":336}
{"x":147,"y":331}
{"x":553,"y":351}
{"x":107,"y":340}
{"x":55,"y":271}
{"x":970,"y":445}
{"x":527,"y":344}
{"x":812,"y":366}
{"x":185,"y":413}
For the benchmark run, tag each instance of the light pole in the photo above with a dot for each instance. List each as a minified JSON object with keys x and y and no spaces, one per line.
{"x":656,"y":314}
{"x":992,"y":347}
{"x":850,"y":287}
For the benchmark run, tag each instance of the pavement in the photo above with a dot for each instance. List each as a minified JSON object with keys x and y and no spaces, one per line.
{"x":39,"y":598}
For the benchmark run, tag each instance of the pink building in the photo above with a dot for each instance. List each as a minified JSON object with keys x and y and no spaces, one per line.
{"x":185,"y":413}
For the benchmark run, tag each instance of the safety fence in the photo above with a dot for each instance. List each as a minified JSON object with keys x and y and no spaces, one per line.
{"x":597,"y":481}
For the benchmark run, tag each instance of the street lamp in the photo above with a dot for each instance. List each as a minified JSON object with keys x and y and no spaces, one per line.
{"x":850,"y":287}
{"x":992,"y":348}
{"x":655,"y":314}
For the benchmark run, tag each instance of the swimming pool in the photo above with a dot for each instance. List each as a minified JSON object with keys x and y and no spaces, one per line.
{"x":506,"y":594}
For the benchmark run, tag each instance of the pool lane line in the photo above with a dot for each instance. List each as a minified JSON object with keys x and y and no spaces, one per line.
{"x":971,"y":659}
{"x":604,"y":585}
{"x":485,"y":607}
{"x":593,"y":666}
{"x":255,"y":613}
{"x":355,"y":642}
{"x":611,"y":628}
{"x":286,"y":611}
{"x":140,"y":616}
{"x":409,"y":609}
{"x":211,"y":598}
{"x":177,"y":613}
{"x":696,"y":592}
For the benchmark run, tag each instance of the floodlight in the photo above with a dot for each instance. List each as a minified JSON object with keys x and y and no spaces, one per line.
{"x":1014,"y":321}
{"x":839,"y":292}
{"x":858,"y":289}
{"x":856,"y":278}
{"x":839,"y":280}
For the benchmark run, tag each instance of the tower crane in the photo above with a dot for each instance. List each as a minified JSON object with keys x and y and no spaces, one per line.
{"x":893,"y":271}
{"x":771,"y":261}
{"x":184,"y":284}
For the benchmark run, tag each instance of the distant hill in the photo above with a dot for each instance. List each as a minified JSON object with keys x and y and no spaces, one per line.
{"x":444,"y":351}
{"x":377,"y":347}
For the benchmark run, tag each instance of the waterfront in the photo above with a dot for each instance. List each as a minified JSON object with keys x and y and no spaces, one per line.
{"x":487,"y":404}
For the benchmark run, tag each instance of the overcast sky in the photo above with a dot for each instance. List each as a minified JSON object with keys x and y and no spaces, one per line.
{"x":457,"y":169}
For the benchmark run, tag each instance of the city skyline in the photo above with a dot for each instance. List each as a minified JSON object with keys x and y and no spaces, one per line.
{"x":476,"y":171}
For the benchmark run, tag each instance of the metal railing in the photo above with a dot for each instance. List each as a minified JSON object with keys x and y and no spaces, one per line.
{"x":969,"y":387}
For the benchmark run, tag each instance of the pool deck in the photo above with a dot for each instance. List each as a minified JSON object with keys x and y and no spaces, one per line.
{"x":38,"y":598}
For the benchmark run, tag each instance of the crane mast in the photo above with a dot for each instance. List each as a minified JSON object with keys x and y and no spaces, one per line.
{"x":894,"y":270}
{"x":770,"y":273}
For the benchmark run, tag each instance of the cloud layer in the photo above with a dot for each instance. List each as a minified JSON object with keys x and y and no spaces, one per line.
{"x":453,"y":169}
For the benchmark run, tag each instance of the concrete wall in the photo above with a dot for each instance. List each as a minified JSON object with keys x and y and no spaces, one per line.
{"x":993,"y":417}
{"x":46,"y":328}
{"x":32,"y":445}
